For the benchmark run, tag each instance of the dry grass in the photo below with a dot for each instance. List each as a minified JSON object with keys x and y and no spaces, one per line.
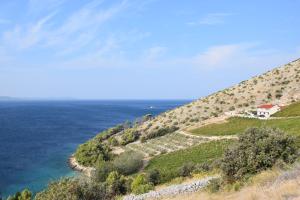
{"x":287,"y":190}
{"x":271,"y":184}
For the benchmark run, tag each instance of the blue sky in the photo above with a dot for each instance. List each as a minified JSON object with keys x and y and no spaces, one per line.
{"x":133,"y":49}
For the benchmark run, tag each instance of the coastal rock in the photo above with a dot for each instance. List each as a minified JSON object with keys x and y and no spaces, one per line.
{"x":88,"y":171}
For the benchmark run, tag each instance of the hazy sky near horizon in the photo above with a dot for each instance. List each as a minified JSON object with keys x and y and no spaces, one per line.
{"x":133,"y":49}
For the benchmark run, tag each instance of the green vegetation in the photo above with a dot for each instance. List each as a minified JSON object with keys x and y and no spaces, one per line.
{"x":141,"y":185}
{"x":116,"y":183}
{"x":24,"y":195}
{"x":73,"y":189}
{"x":238,"y":125}
{"x":289,"y":111}
{"x":128,"y":162}
{"x":153,"y":176}
{"x":169,"y":164}
{"x":129,"y":135}
{"x":258,"y":149}
{"x":159,"y":132}
{"x":92,"y":153}
{"x":103,"y":170}
{"x":125,"y":164}
{"x":97,"y":150}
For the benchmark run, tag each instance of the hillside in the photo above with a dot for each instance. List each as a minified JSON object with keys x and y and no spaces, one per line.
{"x":280,"y":85}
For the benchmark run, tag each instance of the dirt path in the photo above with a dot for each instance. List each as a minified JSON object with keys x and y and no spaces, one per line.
{"x":294,"y":117}
{"x":228,"y":137}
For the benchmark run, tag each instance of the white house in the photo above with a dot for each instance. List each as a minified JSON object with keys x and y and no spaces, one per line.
{"x":267,"y":110}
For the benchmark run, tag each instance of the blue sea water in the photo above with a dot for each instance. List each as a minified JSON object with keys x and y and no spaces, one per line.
{"x":37,"y":137}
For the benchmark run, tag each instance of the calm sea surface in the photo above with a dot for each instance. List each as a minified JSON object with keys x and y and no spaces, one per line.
{"x":36,"y":137}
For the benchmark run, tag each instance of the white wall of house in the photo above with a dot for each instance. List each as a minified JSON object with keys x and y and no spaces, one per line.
{"x":267,"y":112}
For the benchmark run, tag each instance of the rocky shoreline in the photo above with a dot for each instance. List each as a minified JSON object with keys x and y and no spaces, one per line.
{"x":74,"y":165}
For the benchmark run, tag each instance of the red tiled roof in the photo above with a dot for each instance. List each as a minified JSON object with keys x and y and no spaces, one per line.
{"x":266,"y":106}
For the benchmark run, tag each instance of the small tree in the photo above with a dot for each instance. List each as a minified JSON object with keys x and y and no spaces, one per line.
{"x":103,"y":170}
{"x":186,"y":169}
{"x":129,"y":135}
{"x":257,"y":150}
{"x":140,"y":185}
{"x":128,"y":162}
{"x":24,"y":195}
{"x":153,"y":176}
{"x":116,"y":183}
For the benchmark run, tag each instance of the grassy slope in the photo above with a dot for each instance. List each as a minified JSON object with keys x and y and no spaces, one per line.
{"x":290,"y":111}
{"x":206,"y":152}
{"x":238,"y":125}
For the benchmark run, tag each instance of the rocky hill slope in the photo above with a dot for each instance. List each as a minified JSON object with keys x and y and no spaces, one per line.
{"x":280,"y":86}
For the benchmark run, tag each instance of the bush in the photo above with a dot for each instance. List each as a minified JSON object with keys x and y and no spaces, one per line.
{"x":140,"y":185}
{"x":160,"y":132}
{"x":116,"y":183}
{"x":92,"y":191}
{"x":128,"y":162}
{"x":143,"y":139}
{"x":92,"y":153}
{"x":186,"y":169}
{"x":74,"y":189}
{"x":104,"y":135}
{"x":62,"y":189}
{"x":113,"y":141}
{"x":257,"y":150}
{"x":202,"y":167}
{"x":153,"y":176}
{"x":129,"y":135}
{"x":103,"y":170}
{"x":24,"y":195}
{"x":214,"y":185}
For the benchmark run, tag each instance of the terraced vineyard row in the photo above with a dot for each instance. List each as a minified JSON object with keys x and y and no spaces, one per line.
{"x":165,"y":144}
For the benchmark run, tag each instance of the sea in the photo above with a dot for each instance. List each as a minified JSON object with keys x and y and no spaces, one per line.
{"x":37,"y":137}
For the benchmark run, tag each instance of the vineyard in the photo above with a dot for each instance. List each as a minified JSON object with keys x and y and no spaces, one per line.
{"x":165,"y":144}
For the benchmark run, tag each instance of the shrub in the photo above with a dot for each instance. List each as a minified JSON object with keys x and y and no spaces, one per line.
{"x":160,"y":132}
{"x":103,"y":170}
{"x":202,"y":167}
{"x":140,"y":185}
{"x":153,"y":176}
{"x":74,"y":189}
{"x":257,"y":150}
{"x":116,"y":183}
{"x":59,"y":190}
{"x":127,"y":184}
{"x":143,"y":139}
{"x":186,"y":169}
{"x":113,"y":141}
{"x":104,"y":135}
{"x":91,"y":191}
{"x":24,"y":195}
{"x":129,"y":135}
{"x":92,"y":153}
{"x":128,"y":162}
{"x":214,"y":185}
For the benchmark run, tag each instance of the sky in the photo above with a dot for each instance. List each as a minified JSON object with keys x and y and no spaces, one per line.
{"x":133,"y":49}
